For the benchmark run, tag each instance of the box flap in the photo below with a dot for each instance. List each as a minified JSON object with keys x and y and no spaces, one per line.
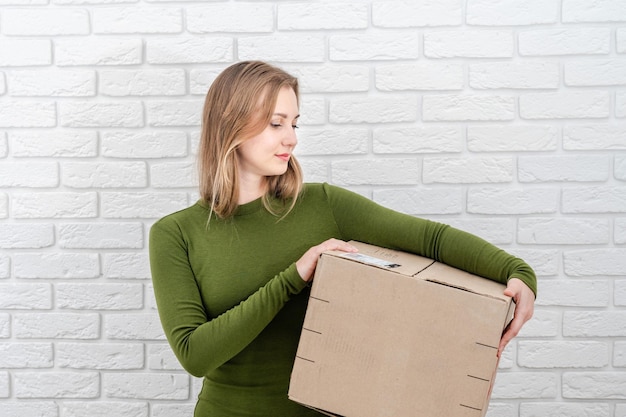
{"x":388,"y":259}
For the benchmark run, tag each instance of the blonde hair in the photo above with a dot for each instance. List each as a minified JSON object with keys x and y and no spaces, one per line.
{"x":238,"y":106}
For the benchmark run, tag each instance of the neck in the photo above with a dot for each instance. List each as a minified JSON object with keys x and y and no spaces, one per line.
{"x":251,"y":190}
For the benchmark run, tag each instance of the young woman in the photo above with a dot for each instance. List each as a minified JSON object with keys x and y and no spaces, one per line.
{"x":231,"y":273}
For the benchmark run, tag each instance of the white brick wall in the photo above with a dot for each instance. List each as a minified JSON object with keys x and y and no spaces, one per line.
{"x":507,"y":119}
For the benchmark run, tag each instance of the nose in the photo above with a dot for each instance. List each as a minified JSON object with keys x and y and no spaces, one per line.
{"x":290,"y":138}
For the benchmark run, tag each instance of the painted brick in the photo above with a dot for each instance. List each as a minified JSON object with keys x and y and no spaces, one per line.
{"x":4,"y":148}
{"x":336,"y":141}
{"x":98,"y":51}
{"x":453,"y":107}
{"x":595,"y":73}
{"x":517,"y":75}
{"x":174,"y":113}
{"x":5,"y":325}
{"x":545,"y":262}
{"x":70,"y":143}
{"x":374,"y":46}
{"x":620,"y":230}
{"x":546,"y":409}
{"x":45,"y":22}
{"x":502,"y":138}
{"x":467,"y":170}
{"x":57,"y":385}
{"x":420,"y":139}
{"x":373,"y":109}
{"x":603,"y":199}
{"x":512,"y":12}
{"x":26,"y":355}
{"x":561,"y":41}
{"x":621,"y":41}
{"x":25,"y":296}
{"x":283,"y":47}
{"x":101,"y":114}
{"x":379,"y":171}
{"x":525,"y":385}
{"x":188,"y":50}
{"x":141,"y":205}
{"x":5,"y":264}
{"x":594,"y":324}
{"x":56,"y":325}
{"x":620,"y":293}
{"x":54,"y":205}
{"x":173,"y":175}
{"x":201,"y":79}
{"x":30,"y":408}
{"x":563,"y":231}
{"x":22,"y":52}
{"x":619,"y":167}
{"x":565,"y":105}
{"x":105,"y":356}
{"x":126,"y":265}
{"x":421,"y":201}
{"x":26,"y":235}
{"x":620,"y":104}
{"x":161,"y":386}
{"x":314,"y":110}
{"x":104,"y":409}
{"x":56,"y":83}
{"x":330,"y":79}
{"x":172,"y":410}
{"x":100,"y":235}
{"x":468,"y":44}
{"x":594,"y":137}
{"x":619,"y":354}
{"x":592,"y":385}
{"x":420,"y":76}
{"x":560,"y":354}
{"x":137,"y":20}
{"x":512,"y":200}
{"x":422,"y":13}
{"x":543,"y":324}
{"x":229,"y":17}
{"x":599,"y":11}
{"x":580,"y":168}
{"x":589,"y":262}
{"x":27,"y":114}
{"x":104,"y":174}
{"x":153,"y":82}
{"x":321,"y":16}
{"x":99,"y":296}
{"x":56,"y":265}
{"x":501,"y":410}
{"x":29,"y":174}
{"x":142,"y":326}
{"x":125,"y":144}
{"x":161,"y":357}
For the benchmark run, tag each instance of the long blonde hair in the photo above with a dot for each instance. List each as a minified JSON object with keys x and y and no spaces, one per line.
{"x":238,"y":106}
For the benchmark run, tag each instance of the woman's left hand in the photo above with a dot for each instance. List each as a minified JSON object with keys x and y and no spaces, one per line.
{"x":524,"y":306}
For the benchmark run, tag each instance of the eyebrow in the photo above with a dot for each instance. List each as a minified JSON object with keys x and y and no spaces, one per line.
{"x":283,"y":115}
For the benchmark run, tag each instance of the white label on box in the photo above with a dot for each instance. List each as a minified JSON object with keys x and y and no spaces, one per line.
{"x":370,"y":260}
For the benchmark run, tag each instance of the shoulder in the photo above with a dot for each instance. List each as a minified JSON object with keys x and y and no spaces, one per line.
{"x":179,"y":219}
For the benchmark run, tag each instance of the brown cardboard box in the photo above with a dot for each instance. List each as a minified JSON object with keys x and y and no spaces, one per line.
{"x":388,"y":334}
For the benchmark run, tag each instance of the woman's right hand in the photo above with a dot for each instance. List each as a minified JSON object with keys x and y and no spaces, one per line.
{"x":307,"y":263}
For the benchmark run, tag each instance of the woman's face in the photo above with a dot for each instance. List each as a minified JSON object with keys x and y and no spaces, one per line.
{"x":268,"y":153}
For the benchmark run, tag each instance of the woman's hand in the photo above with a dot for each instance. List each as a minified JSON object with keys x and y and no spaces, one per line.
{"x":307,"y":263}
{"x":524,"y":305}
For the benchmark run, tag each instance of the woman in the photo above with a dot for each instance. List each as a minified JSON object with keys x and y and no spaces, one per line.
{"x":231,"y":273}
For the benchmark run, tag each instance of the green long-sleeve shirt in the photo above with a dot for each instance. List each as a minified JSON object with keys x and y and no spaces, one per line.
{"x":232,"y":303}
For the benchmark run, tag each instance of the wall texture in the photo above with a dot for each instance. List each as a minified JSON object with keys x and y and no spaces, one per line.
{"x":506,"y":118}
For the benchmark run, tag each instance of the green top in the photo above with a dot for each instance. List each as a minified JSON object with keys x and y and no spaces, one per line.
{"x":231,"y":300}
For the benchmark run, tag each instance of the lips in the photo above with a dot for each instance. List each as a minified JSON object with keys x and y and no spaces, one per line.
{"x":284,"y":156}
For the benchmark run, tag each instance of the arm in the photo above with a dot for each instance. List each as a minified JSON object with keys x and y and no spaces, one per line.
{"x":202,"y":344}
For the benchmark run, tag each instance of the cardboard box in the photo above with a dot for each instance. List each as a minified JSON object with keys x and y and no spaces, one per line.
{"x":388,"y":333}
